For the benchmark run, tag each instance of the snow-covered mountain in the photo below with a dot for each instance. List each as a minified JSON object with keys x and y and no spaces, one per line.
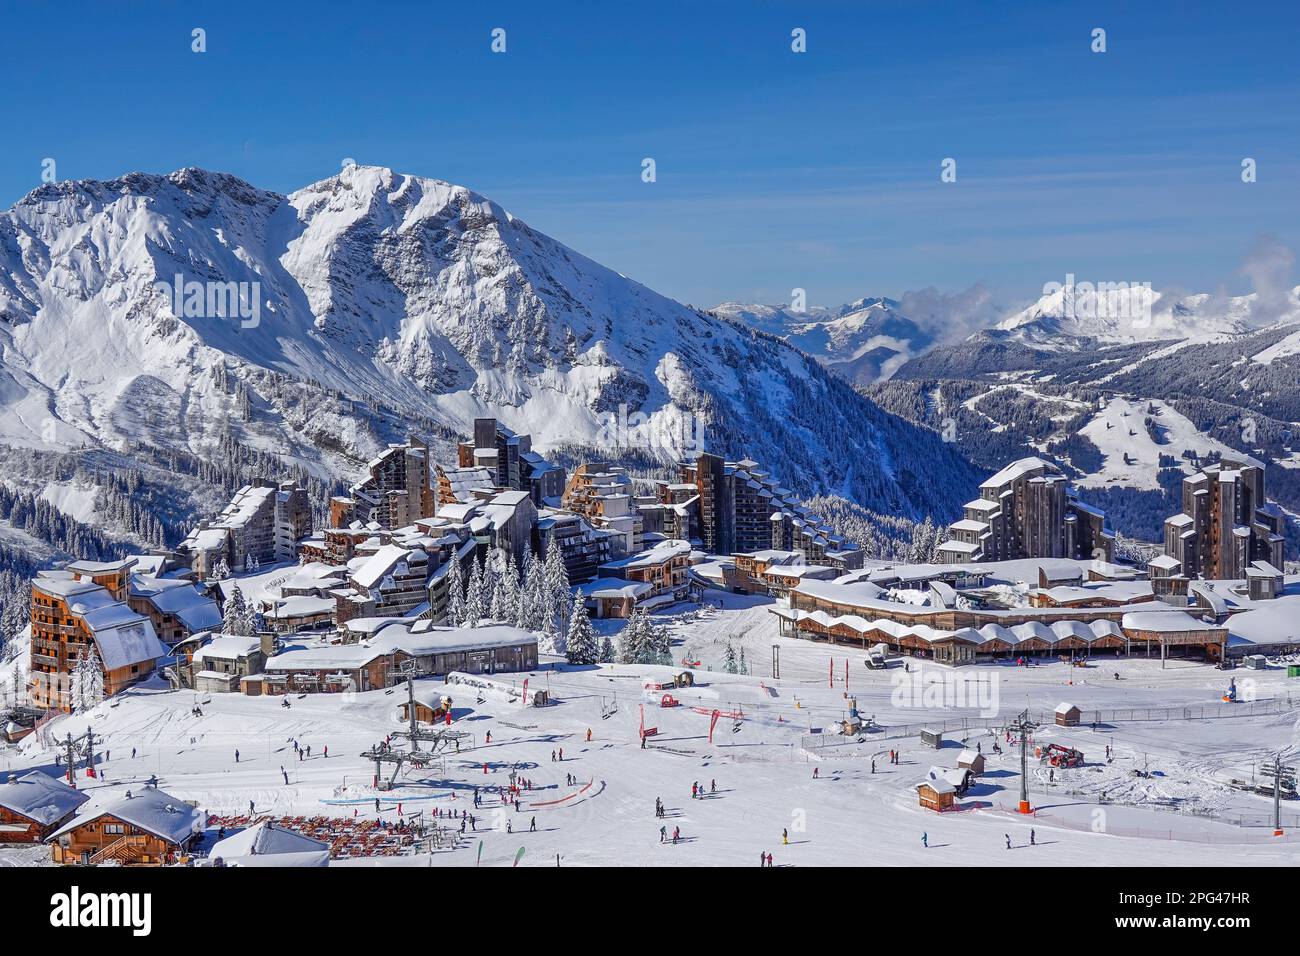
{"x":374,"y":300}
{"x":1073,"y":314}
{"x":864,"y":341}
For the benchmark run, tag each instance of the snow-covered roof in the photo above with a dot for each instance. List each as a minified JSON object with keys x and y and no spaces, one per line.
{"x":1065,"y":708}
{"x":372,"y":570}
{"x":614,"y":588}
{"x":938,"y":785}
{"x":40,"y":797}
{"x":265,"y":839}
{"x":1017,"y":469}
{"x":145,"y":808}
{"x":128,"y":642}
{"x":1169,"y":621}
{"x":182,"y":599}
{"x":228,"y":647}
{"x":658,"y":554}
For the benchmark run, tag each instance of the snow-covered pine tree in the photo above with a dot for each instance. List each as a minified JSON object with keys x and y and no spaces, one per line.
{"x":488,"y":588}
{"x":608,"y":655}
{"x":729,"y":660}
{"x":508,"y":589}
{"x":455,"y":591}
{"x":582,"y":647}
{"x":530,"y":596}
{"x":92,"y":681}
{"x":742,"y":667}
{"x":558,"y":597}
{"x":474,"y":596}
{"x":75,"y":676}
{"x":234,"y":614}
{"x":632,"y":642}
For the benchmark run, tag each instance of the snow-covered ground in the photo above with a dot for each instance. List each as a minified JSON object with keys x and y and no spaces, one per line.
{"x":762,"y":764}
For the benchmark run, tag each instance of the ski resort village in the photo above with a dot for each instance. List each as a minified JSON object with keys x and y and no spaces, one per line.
{"x":488,"y":658}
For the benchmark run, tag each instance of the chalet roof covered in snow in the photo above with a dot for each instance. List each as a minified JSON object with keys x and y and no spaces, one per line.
{"x":183,"y":599}
{"x":660,"y":553}
{"x":227,"y":648}
{"x":146,"y":808}
{"x":129,"y":642}
{"x":40,"y":797}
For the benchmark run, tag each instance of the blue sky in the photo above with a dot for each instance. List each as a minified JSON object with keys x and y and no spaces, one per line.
{"x":775,"y":169}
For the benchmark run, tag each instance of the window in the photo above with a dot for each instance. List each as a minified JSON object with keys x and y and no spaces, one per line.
{"x":114,"y":828}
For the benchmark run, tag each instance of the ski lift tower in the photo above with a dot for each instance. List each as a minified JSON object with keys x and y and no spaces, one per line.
{"x":1276,"y":769}
{"x":1023,"y":726}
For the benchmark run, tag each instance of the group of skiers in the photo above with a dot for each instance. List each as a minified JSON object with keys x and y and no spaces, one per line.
{"x":697,"y":789}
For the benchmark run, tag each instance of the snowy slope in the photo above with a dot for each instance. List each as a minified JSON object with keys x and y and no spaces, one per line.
{"x":386,"y":299}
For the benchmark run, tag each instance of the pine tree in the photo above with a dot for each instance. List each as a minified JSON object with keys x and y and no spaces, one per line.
{"x":234,"y":615}
{"x":607,"y":653}
{"x":474,"y":596}
{"x":729,"y":660}
{"x":505,"y":601}
{"x":92,"y":681}
{"x":556,"y":588}
{"x":455,"y":591}
{"x":75,"y":692}
{"x":530,"y":598}
{"x":742,"y":668}
{"x":633,"y":641}
{"x":582,"y":646}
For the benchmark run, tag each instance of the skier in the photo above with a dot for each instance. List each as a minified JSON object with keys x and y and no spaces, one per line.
{"x":925,"y":840}
{"x":677,"y":833}
{"x":286,"y":776}
{"x":693,"y":789}
{"x":552,"y":756}
{"x":236,"y":756}
{"x":588,"y":735}
{"x":785,"y":837}
{"x":489,"y":736}
{"x":561,"y":755}
{"x":762,"y":858}
{"x":376,"y":804}
{"x":873,"y":764}
{"x":1031,"y":837}
{"x":532,"y":825}
{"x":769,"y":859}
{"x":1008,"y":836}
{"x":132,"y":753}
{"x":250,"y":808}
{"x":327,"y":752}
{"x":663,"y":834}
{"x":814,"y":773}
{"x":508,"y":828}
{"x":713,"y":786}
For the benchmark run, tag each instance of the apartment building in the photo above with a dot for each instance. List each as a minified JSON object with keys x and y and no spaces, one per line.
{"x":512,"y":462}
{"x":583,"y":548}
{"x":79,"y":608}
{"x":603,"y":495}
{"x":1227,"y":524}
{"x":739,"y":508}
{"x":261,"y":525}
{"x":1027,"y":510}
